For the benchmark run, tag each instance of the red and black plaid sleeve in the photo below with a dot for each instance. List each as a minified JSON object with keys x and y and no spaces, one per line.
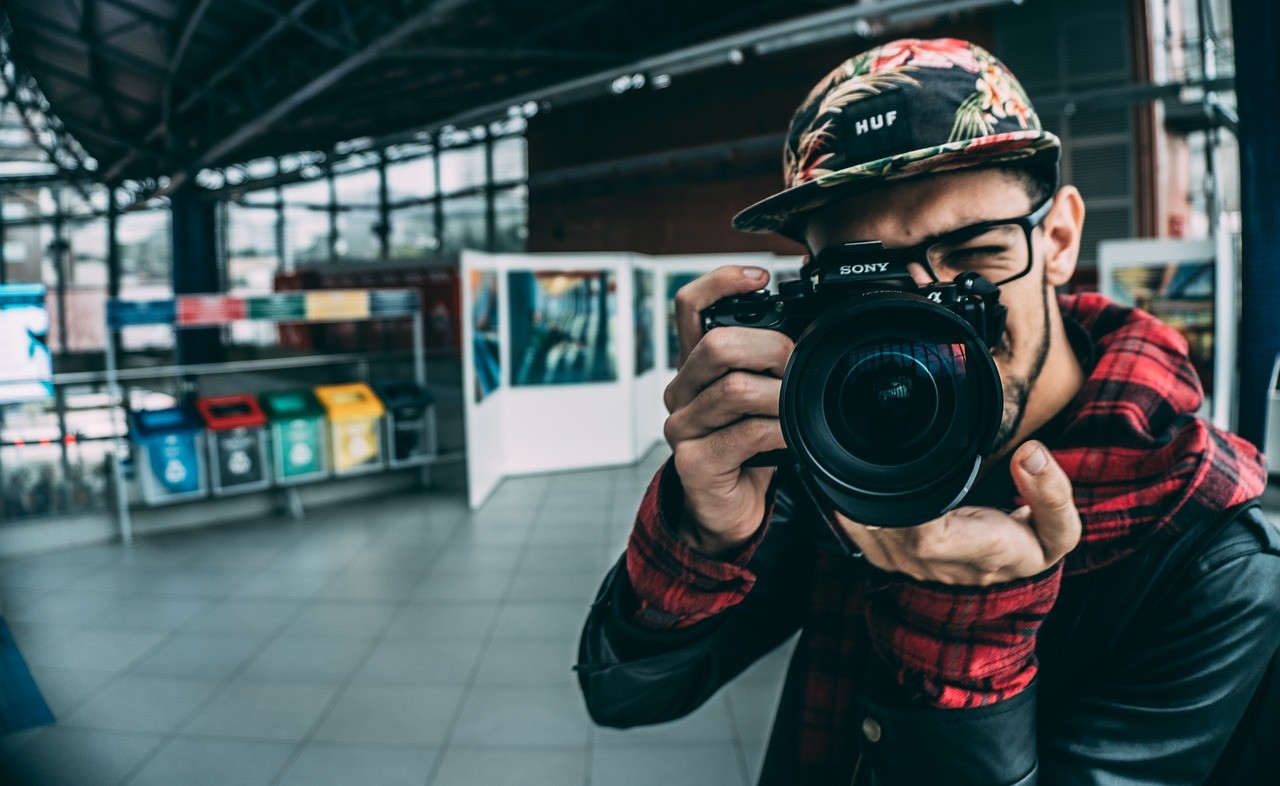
{"x":675,"y":585}
{"x":953,"y":646}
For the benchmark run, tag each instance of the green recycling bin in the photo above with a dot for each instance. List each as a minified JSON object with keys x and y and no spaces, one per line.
{"x":299,"y":435}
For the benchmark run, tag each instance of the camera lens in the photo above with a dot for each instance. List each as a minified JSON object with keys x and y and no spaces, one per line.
{"x":889,"y":402}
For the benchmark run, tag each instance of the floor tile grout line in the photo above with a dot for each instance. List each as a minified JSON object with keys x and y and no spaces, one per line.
{"x":227,"y":681}
{"x":303,"y":606}
{"x":738,"y":743}
{"x":484,"y":648}
{"x":345,"y":684}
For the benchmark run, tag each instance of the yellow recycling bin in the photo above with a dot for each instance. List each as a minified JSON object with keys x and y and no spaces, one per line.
{"x":355,"y":427}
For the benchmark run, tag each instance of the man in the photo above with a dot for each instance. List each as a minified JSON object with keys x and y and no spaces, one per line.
{"x":1104,"y":608}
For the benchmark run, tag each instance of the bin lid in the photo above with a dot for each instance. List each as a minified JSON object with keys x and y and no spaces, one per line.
{"x":290,"y":404}
{"x":402,"y":393}
{"x":158,"y":422}
{"x":222,"y":413}
{"x":353,"y":400}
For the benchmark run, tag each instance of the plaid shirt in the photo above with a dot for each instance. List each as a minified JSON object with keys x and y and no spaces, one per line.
{"x":1142,"y":467}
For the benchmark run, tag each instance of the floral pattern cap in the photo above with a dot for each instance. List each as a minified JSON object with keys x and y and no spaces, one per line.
{"x":906,"y":108}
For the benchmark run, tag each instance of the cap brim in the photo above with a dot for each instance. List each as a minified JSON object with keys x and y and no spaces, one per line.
{"x":777,"y":213}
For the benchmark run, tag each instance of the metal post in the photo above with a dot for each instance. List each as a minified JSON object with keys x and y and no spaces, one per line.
{"x":4,"y":263}
{"x":1257,"y":35}
{"x":439,"y":203}
{"x":282,"y":264}
{"x":333,"y":214}
{"x":384,"y":210}
{"x":490,"y":213}
{"x":419,"y":352}
{"x":115,"y":394}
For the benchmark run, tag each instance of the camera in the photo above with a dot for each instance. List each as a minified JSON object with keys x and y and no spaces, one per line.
{"x":891,"y":397}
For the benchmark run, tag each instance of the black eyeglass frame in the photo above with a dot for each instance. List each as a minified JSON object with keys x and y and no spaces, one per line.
{"x":919,"y":252}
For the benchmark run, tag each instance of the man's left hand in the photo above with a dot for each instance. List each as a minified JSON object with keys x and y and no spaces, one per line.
{"x":983,"y":546}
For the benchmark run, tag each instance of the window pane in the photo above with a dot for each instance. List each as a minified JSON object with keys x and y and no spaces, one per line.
{"x":306,"y":236}
{"x":357,"y":235}
{"x":307,"y":192}
{"x":87,"y":286}
{"x":360,"y":188}
{"x":511,"y":227}
{"x":251,"y":266}
{"x":462,"y":168}
{"x":413,"y":232}
{"x":509,"y":159}
{"x":464,"y":223}
{"x":145,"y":270}
{"x":251,"y":249}
{"x":411,"y":180}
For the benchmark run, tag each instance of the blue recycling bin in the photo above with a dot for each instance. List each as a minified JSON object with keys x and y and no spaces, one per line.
{"x":169,"y":454}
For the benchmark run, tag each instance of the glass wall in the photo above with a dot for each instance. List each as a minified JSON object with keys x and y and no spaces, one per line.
{"x":54,"y":453}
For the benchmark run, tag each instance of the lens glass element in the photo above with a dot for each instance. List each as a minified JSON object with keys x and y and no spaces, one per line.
{"x":889,"y":403}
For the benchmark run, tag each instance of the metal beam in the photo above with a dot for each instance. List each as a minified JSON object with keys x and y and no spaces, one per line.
{"x":295,"y":21}
{"x":505,"y":53}
{"x":433,"y":13}
{"x":246,"y":52}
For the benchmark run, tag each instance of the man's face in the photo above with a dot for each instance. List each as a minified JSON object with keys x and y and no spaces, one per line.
{"x":904,"y":214}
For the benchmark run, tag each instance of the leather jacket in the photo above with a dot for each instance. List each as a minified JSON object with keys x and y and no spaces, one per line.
{"x":1159,"y":669}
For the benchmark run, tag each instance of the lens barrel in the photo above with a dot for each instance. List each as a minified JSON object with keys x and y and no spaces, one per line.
{"x":888,"y":404}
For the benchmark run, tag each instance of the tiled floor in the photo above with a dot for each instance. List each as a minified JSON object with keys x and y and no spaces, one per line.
{"x":401,"y":641}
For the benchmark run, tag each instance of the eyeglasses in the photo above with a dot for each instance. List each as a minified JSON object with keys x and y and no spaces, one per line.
{"x":1000,"y":251}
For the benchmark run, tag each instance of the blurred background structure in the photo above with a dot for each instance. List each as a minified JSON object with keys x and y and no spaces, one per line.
{"x":156,"y":150}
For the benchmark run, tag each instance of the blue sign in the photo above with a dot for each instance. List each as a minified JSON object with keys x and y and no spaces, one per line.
{"x":121,"y":313}
{"x":26,"y":366}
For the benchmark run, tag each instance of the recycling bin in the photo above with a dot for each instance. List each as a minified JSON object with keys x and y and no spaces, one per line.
{"x":355,"y":427}
{"x":410,"y":424}
{"x":170,"y":454}
{"x":299,"y":436}
{"x":237,"y":443}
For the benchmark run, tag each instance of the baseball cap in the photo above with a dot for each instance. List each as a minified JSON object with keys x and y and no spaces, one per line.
{"x":906,"y":108}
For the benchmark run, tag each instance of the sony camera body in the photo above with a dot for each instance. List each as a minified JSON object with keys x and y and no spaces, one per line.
{"x":891,"y":397}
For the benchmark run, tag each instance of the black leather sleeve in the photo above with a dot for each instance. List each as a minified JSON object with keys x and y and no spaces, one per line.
{"x":1184,"y":676}
{"x":1175,"y":688}
{"x":632,"y":675}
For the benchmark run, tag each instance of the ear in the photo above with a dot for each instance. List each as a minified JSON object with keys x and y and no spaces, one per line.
{"x":1062,"y":228}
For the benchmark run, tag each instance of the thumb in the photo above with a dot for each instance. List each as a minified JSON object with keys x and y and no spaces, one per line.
{"x":1046,"y":488}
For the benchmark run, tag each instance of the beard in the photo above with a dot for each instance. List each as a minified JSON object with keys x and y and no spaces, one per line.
{"x":1017,"y":388}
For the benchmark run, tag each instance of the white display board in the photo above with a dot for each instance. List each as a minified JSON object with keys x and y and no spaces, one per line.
{"x":1189,"y":285}
{"x":554,"y":406}
{"x":565,"y":398}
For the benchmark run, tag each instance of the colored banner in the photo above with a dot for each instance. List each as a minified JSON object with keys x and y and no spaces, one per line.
{"x":392,"y":302}
{"x":280,"y":308}
{"x":338,"y":304}
{"x":209,"y":309}
{"x":122,"y":313}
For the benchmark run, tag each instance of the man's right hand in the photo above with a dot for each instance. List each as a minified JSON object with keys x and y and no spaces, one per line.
{"x":724,"y":410}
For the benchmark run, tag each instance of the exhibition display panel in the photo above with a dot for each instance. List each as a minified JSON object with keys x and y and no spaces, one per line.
{"x":560,"y":376}
{"x":555,"y":393}
{"x":1190,"y":286}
